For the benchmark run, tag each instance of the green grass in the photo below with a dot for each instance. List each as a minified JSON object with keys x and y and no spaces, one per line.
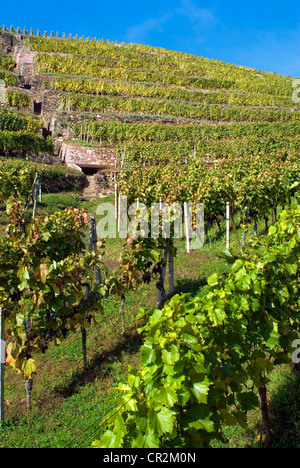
{"x":69,"y":404}
{"x":66,"y":400}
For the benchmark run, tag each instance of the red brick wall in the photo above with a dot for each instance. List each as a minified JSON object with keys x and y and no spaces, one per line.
{"x":24,"y":60}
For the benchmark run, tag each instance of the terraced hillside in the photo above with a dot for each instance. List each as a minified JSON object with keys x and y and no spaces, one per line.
{"x":155,"y":104}
{"x":168,"y":127}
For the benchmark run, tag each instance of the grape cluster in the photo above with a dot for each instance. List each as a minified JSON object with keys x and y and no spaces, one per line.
{"x":27,"y":325}
{"x":44,"y":348}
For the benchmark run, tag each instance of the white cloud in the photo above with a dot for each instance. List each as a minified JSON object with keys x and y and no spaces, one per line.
{"x":199,"y":17}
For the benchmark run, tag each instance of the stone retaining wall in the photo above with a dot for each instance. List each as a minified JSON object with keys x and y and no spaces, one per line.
{"x":102,"y":157}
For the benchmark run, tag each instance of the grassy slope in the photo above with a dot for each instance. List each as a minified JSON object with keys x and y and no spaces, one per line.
{"x":66,"y":401}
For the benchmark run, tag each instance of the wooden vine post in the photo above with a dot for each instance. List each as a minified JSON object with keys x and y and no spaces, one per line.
{"x":161,"y":283}
{"x":32,"y":194}
{"x":40,"y":193}
{"x":168,"y":258}
{"x":92,"y":247}
{"x":116,"y":200}
{"x":35,"y":197}
{"x":122,"y":313}
{"x":28,"y":388}
{"x":168,"y":261}
{"x":163,"y":270}
{"x":121,"y":213}
{"x":186,"y":224}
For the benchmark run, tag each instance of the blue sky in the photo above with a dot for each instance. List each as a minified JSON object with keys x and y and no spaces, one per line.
{"x":260,"y":34}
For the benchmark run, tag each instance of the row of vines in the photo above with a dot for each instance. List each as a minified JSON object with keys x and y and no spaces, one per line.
{"x":171,"y":92}
{"x":202,"y":359}
{"x":48,"y":286}
{"x":139,"y":69}
{"x":205,"y":361}
{"x":122,"y":56}
{"x":19,"y":132}
{"x":254,"y":187}
{"x":17,"y":177}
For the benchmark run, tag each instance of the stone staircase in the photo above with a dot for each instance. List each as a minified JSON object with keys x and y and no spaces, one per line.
{"x":96,"y":186}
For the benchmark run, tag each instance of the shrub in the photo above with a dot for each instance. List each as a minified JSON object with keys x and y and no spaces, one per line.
{"x":18,"y":99}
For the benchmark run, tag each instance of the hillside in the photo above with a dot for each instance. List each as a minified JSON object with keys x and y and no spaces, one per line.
{"x":154,"y":104}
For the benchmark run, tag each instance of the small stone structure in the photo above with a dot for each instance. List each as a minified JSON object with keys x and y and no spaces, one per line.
{"x":103,"y":157}
{"x":2,"y":92}
{"x":24,"y":60}
{"x":97,"y":164}
{"x":7,"y":42}
{"x":50,"y":104}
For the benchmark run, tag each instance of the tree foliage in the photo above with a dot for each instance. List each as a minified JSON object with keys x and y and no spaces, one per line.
{"x":204,"y":359}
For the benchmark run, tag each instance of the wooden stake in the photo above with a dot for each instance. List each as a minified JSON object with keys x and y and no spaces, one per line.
{"x":171,"y":270}
{"x":84,"y":349}
{"x":265,"y":414}
{"x":122,"y":313}
{"x":93,"y":247}
{"x":36,"y":192}
{"x":161,"y":284}
{"x":28,"y":388}
{"x":119,"y":212}
{"x":227,"y":225}
{"x":2,"y":364}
